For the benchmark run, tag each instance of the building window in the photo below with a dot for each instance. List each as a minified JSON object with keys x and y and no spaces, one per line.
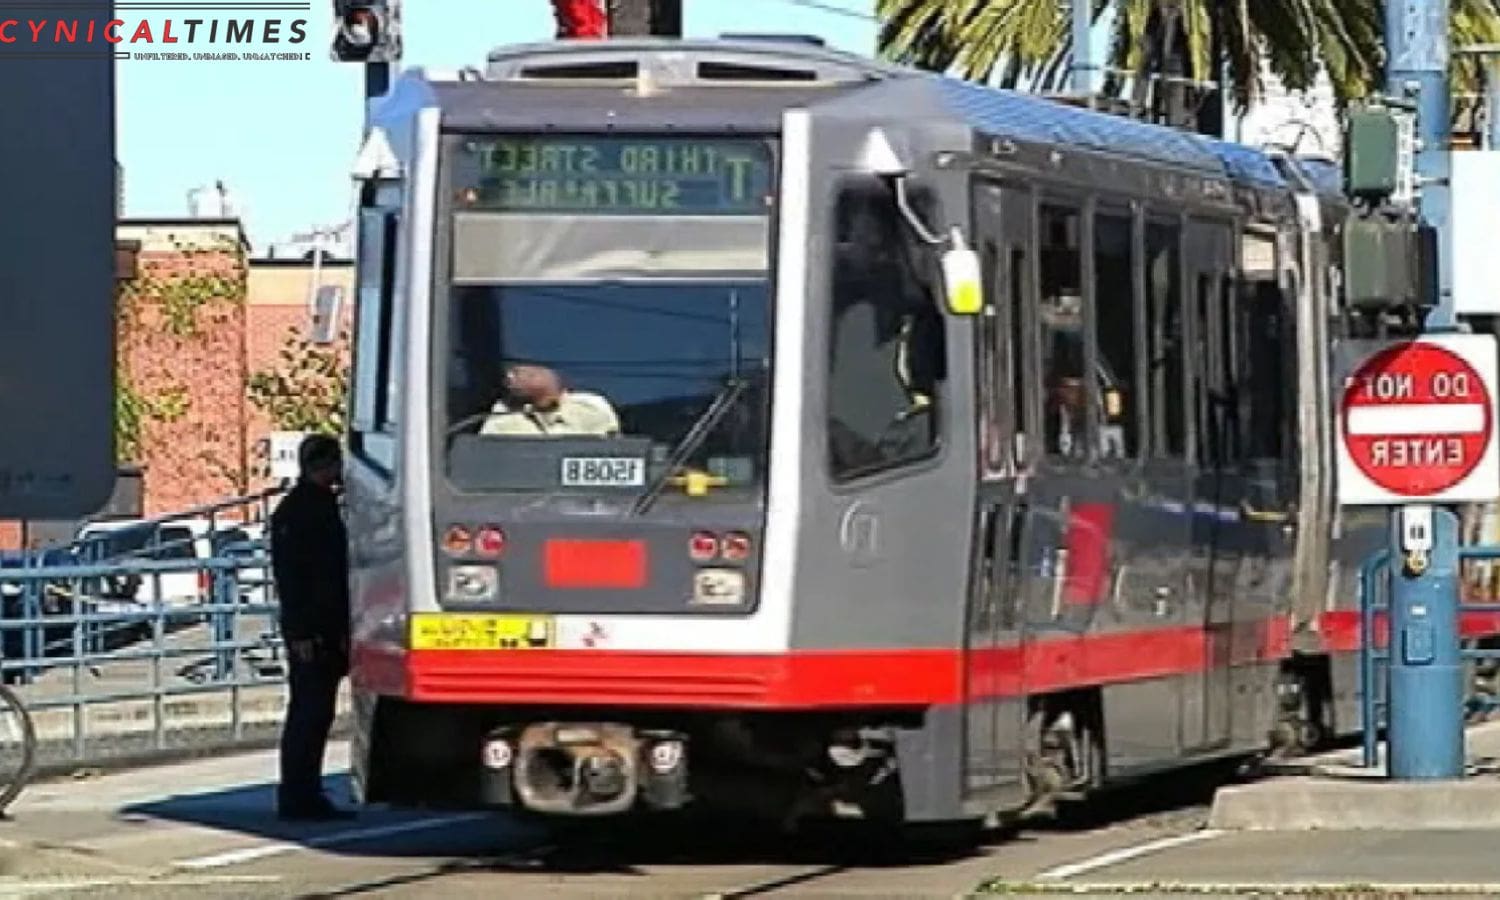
{"x":887,"y":350}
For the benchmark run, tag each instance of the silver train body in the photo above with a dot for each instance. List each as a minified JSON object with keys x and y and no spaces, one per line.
{"x":921,"y":565}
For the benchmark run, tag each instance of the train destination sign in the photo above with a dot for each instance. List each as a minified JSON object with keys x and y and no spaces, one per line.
{"x":607,"y":175}
{"x":1416,"y":423}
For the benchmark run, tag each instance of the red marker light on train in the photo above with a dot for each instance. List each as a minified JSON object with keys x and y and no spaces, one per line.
{"x":704,"y":546}
{"x":457,"y":541}
{"x":737,"y":546}
{"x":490,"y":541}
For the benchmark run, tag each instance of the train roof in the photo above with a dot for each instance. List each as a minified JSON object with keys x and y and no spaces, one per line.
{"x":695,"y":70}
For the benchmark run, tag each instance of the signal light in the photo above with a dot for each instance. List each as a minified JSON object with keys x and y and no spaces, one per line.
{"x":367,"y":31}
{"x":737,"y":546}
{"x":703,"y":547}
{"x":490,"y":541}
{"x":457,"y":541}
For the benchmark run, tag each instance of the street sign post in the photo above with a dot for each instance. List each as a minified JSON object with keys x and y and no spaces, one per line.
{"x":1416,"y":422}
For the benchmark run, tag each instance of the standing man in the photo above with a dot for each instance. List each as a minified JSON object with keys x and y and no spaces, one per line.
{"x":310,"y":564}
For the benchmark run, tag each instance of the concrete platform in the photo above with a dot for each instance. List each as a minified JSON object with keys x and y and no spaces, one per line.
{"x":1331,"y":792}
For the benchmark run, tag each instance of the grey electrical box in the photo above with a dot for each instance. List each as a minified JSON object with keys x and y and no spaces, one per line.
{"x":57,"y":268}
{"x":1372,"y":152}
{"x":1389,"y":264}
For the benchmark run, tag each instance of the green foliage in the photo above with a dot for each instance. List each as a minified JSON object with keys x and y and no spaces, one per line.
{"x":182,"y":296}
{"x":1028,"y":42}
{"x":133,"y":410}
{"x":307,"y":390}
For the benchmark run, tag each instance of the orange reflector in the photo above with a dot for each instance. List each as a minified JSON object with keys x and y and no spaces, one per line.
{"x":457,"y":541}
{"x":595,"y":564}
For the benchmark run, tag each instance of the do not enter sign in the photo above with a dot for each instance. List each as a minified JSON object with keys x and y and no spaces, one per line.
{"x":1416,"y":423}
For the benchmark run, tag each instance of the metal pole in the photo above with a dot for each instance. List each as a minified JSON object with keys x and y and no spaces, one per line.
{"x":1425,"y":712}
{"x":1417,"y":57}
{"x":377,"y":84}
{"x":1085,"y":67}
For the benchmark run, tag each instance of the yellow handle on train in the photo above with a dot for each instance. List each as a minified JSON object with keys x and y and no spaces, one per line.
{"x":696,"y":484}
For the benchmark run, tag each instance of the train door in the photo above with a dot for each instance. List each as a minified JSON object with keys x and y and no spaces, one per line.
{"x":1219,"y":537}
{"x":995,"y":679}
{"x":1147,"y":592}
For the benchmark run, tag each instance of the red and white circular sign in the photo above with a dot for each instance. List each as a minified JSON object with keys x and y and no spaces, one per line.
{"x":1416,"y":419}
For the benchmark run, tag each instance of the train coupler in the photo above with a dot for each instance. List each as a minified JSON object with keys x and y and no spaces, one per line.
{"x":572,"y":768}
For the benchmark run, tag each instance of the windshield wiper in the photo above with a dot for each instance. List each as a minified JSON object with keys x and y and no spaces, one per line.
{"x":702,"y":427}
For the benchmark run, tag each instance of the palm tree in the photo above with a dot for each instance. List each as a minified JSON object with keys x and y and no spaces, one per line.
{"x":1018,"y":43}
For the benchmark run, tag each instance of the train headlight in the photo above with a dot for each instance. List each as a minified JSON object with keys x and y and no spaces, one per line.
{"x":665,"y":756}
{"x":718,"y":587}
{"x":473,"y":583}
{"x":497,"y":754}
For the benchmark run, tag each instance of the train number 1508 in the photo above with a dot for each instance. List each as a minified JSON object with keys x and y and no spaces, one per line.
{"x":603,"y":472}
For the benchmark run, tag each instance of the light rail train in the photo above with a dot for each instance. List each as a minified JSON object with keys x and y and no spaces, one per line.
{"x":680,"y":473}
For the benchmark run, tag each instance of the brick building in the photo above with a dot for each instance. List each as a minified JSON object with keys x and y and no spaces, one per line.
{"x":197,"y":318}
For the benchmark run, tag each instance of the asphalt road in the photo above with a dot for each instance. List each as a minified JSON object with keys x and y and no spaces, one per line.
{"x":206,"y":828}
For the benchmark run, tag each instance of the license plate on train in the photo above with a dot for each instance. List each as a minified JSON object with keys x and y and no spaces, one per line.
{"x":479,"y":632}
{"x":603,"y":472}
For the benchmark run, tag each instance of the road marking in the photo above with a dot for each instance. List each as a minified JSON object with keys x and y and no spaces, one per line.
{"x":24,"y":886}
{"x":1114,"y":857}
{"x":262,"y":851}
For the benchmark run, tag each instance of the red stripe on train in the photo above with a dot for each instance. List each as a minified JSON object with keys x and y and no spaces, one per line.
{"x":811,"y":679}
{"x":821,"y":679}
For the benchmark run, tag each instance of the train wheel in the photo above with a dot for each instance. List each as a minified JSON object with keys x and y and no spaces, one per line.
{"x":1069,"y":759}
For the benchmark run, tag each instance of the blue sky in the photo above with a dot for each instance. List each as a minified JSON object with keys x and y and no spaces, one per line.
{"x":281,"y":135}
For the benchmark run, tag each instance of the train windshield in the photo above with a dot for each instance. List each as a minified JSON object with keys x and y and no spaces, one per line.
{"x":608,"y":314}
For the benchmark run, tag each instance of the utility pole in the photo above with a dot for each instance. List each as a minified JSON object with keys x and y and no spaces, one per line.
{"x":1426,"y":729}
{"x":645,"y":18}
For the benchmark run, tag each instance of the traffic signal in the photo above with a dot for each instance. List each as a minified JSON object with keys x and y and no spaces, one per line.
{"x":367,"y":31}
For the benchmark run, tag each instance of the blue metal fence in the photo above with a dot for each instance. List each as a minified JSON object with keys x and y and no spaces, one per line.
{"x":1375,"y":648}
{"x":130,"y":653}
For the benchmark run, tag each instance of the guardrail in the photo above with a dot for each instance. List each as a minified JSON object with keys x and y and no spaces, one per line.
{"x":1374,"y":593}
{"x":106,"y":677}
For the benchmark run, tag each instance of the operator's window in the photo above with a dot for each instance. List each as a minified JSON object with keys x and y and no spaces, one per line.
{"x":887,"y":350}
{"x":1065,"y":419}
{"x":1114,"y":309}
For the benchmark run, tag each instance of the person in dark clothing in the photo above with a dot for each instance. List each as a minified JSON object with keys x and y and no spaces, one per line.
{"x":310,"y":565}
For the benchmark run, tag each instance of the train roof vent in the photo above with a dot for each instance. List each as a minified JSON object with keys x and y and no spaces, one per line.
{"x":666,"y":63}
{"x":728,"y":71}
{"x":595,"y":70}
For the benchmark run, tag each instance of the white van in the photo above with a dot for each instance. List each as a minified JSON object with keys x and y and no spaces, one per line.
{"x":179,"y":539}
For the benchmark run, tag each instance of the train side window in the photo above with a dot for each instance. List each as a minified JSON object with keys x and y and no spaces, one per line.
{"x":1265,"y":374}
{"x":373,"y":409}
{"x":887,"y":348}
{"x":1060,"y":313}
{"x":1164,"y":341}
{"x":1114,"y":311}
{"x":1020,"y":352}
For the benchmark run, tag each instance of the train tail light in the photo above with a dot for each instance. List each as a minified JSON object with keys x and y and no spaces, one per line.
{"x":489,"y":542}
{"x":736,"y":546}
{"x":458,"y":540}
{"x":703,"y":546}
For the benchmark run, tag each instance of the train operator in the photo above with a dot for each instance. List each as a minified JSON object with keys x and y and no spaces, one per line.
{"x":536,"y":404}
{"x":310,"y":565}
